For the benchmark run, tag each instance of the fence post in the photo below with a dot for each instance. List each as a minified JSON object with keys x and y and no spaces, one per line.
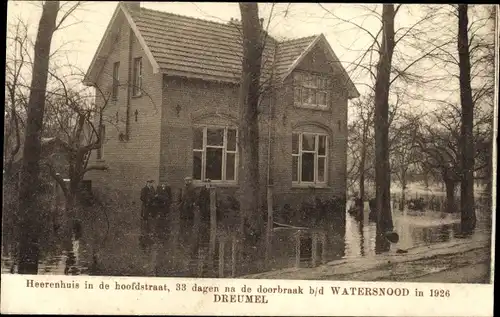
{"x":196,"y":224}
{"x":213,"y":226}
{"x":176,"y":219}
{"x":233,"y":257}
{"x":222,"y":244}
{"x":314,"y":249}
{"x":297,"y":249}
{"x":323,"y":247}
{"x":201,"y":259}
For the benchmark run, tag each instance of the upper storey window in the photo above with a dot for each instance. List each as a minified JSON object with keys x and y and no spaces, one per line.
{"x":311,"y":90}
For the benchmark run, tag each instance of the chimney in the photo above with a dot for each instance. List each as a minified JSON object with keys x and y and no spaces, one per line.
{"x":234,"y":21}
{"x":132,"y":6}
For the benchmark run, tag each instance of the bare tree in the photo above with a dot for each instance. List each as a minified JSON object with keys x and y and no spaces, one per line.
{"x":405,"y":157}
{"x":249,"y":128}
{"x":77,"y":131}
{"x":360,"y":140}
{"x":439,"y":140}
{"x":382,"y":84}
{"x":17,"y":67}
{"x":468,"y":215}
{"x":392,"y":67}
{"x":467,"y":61}
{"x":29,"y":186}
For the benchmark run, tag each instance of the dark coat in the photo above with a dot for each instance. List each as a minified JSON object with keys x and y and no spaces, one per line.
{"x":164,"y":196}
{"x":188,"y":202}
{"x":147,"y":195}
{"x":163,"y":200}
{"x":147,"y":199}
{"x":204,"y":204}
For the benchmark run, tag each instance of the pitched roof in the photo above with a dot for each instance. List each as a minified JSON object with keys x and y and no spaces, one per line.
{"x":289,"y":51}
{"x":191,"y":47}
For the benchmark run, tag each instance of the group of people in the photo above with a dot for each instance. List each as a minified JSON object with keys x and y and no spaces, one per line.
{"x":157,"y":202}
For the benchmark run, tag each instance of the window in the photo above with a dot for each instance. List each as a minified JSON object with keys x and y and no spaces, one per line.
{"x":102,"y":137}
{"x":215,"y":154}
{"x":309,"y":158}
{"x":116,"y":79}
{"x":311,"y":90}
{"x":137,"y":82}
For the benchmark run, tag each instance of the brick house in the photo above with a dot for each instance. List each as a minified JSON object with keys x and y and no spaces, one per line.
{"x":172,"y":84}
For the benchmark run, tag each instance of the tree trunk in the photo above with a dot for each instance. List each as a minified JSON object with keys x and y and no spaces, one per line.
{"x":382,"y":83}
{"x":450,"y":196}
{"x":362,"y":164}
{"x":28,"y":225}
{"x":468,"y":216}
{"x":249,"y":126}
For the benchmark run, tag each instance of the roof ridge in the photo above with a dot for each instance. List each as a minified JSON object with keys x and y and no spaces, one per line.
{"x":225,"y":24}
{"x":299,"y":38}
{"x":186,"y":16}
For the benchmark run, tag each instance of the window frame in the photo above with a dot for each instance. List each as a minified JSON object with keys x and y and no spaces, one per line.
{"x":225,"y":152}
{"x":137,"y":77}
{"x":116,"y":80}
{"x":100,"y":150}
{"x":300,"y":151}
{"x":312,"y":83}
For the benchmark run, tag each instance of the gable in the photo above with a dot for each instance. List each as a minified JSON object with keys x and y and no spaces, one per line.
{"x":121,"y":17}
{"x":317,"y":61}
{"x":320,"y":53}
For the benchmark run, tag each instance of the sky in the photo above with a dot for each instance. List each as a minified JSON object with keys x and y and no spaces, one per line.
{"x":77,"y":42}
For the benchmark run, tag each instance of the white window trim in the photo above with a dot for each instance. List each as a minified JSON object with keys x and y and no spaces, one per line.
{"x":315,"y":183}
{"x":102,"y":131}
{"x":137,"y":73}
{"x":225,"y":151}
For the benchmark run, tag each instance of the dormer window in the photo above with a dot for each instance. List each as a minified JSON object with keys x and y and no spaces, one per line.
{"x":311,"y":90}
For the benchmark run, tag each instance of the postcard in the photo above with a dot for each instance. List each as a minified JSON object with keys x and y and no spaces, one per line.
{"x":257,"y":159}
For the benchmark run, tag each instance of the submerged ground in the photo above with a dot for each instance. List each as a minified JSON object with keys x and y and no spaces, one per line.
{"x":115,"y":243}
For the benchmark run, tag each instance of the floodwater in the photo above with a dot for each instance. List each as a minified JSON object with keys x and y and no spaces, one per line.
{"x":147,"y":251}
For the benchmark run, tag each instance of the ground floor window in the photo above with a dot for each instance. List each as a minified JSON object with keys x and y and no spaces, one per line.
{"x":215,"y":153}
{"x":309,"y":158}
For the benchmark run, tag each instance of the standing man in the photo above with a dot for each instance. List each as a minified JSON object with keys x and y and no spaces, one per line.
{"x":164,"y":194}
{"x":203,"y":202}
{"x":147,"y":196}
{"x":187,"y":204}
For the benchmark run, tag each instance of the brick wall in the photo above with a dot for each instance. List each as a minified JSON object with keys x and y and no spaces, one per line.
{"x":332,"y":121}
{"x":187,"y":102}
{"x":160,"y":143}
{"x":130,"y":162}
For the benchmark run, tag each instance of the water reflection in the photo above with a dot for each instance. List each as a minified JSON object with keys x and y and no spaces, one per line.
{"x":155,"y":248}
{"x":414,"y":229}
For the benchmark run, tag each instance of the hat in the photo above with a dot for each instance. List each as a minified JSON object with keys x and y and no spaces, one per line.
{"x":188,"y":178}
{"x":150,"y":181}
